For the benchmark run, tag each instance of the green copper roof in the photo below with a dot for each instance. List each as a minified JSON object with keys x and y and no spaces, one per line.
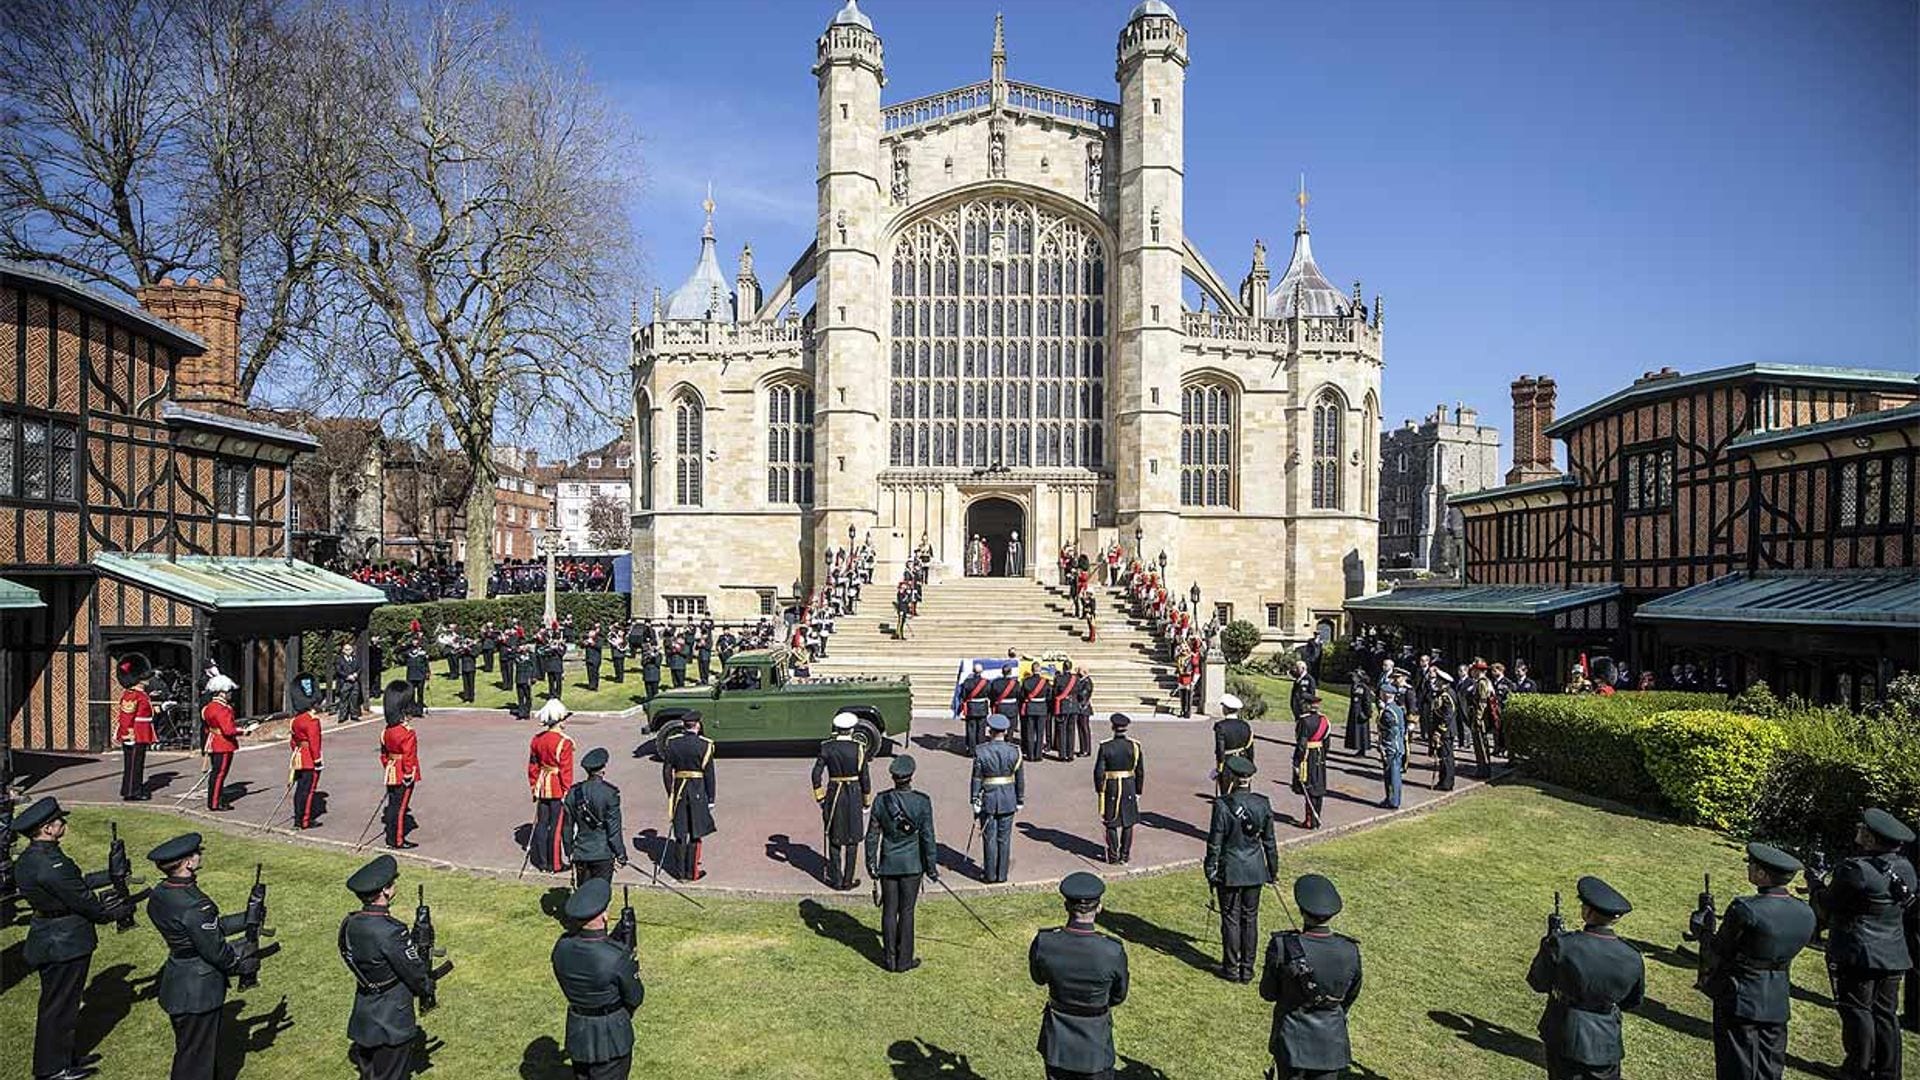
{"x":1508,"y":491}
{"x":1530,"y":601}
{"x":1879,"y":420}
{"x":17,"y":597}
{"x":1796,"y":374}
{"x":224,"y":584}
{"x":1867,"y":599}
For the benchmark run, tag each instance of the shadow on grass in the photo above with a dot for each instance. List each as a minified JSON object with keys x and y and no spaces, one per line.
{"x":1681,"y":1023}
{"x":1150,"y":935}
{"x":1664,"y":954}
{"x":1153,"y":819}
{"x":1065,"y":841}
{"x":108,"y":1000}
{"x":542,"y":1060}
{"x":1135,"y":1069}
{"x":240,"y":1036}
{"x":836,"y":925}
{"x":918,"y":1059}
{"x":1487,"y":1035}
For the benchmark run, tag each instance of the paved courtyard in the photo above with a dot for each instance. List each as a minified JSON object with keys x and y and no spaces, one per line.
{"x":472,"y":808}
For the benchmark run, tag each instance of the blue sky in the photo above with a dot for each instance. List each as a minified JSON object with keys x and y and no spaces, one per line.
{"x":1582,"y":189}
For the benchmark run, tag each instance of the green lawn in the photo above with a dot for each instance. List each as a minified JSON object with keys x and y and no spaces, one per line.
{"x":1448,"y":907}
{"x":1278,"y":692}
{"x":443,"y":692}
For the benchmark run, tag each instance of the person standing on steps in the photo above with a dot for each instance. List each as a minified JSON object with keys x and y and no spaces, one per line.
{"x":1241,"y":857}
{"x":997,"y":791}
{"x":900,"y":851}
{"x":1016,"y":556}
{"x":1119,"y":779}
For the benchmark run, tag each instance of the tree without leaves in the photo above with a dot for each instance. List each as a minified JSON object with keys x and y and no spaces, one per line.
{"x":607,"y":523}
{"x":483,"y":231}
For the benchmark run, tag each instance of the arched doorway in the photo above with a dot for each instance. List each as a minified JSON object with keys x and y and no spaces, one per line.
{"x":1001,"y":523}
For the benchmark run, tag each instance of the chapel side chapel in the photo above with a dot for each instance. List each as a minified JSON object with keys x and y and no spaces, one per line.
{"x":998,"y":343}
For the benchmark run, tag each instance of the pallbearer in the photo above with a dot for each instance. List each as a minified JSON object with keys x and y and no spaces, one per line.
{"x":549,"y":775}
{"x":389,"y":972}
{"x":843,"y":786}
{"x":1119,"y":779}
{"x":602,"y":985}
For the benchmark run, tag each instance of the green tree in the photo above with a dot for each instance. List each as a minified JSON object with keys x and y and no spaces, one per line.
{"x":1239,"y":640}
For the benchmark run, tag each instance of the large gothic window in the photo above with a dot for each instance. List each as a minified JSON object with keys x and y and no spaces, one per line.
{"x":1327,"y":410}
{"x":790,"y":445}
{"x":1206,"y":445}
{"x":998,"y":340}
{"x":689,"y":440}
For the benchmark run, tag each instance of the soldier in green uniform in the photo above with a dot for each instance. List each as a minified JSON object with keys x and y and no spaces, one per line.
{"x":1119,"y":779}
{"x":1085,"y":973}
{"x":838,"y":769}
{"x":1749,"y":965}
{"x":1312,"y":976}
{"x":900,"y":850}
{"x":602,"y":985}
{"x":1589,"y":976}
{"x":200,"y":959}
{"x":594,"y":841}
{"x":1867,"y":949}
{"x":1241,"y":857}
{"x":389,"y":971}
{"x":60,"y":939}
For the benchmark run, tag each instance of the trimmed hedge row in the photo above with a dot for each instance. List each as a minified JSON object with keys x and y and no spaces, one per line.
{"x":1798,"y":776}
{"x":318,"y":648}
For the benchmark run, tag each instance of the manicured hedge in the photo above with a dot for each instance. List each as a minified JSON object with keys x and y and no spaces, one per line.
{"x":1709,"y":763}
{"x":319,"y":648}
{"x":1587,"y":741}
{"x":1834,"y":764}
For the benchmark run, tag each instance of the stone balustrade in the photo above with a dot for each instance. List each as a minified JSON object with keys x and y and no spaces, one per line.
{"x":1020,"y":98}
{"x":936,"y":108}
{"x":1058,"y":105}
{"x":1314,"y":330}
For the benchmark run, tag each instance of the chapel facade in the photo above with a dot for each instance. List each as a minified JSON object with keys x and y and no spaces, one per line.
{"x":1002,"y":338}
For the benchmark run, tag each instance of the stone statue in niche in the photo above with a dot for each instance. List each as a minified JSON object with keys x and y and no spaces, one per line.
{"x":1096,"y":182}
{"x":997,"y":154}
{"x":900,"y":174}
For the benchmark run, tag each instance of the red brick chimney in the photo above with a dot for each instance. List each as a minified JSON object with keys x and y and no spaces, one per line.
{"x":1533,"y":401}
{"x":211,"y":310}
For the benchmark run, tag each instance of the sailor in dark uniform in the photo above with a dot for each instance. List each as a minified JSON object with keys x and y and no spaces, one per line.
{"x":1232,"y":737}
{"x":900,"y":851}
{"x":843,"y":786}
{"x":1312,"y":976}
{"x":1241,"y":857}
{"x":1749,"y":965}
{"x":1867,"y":954}
{"x":60,"y":939}
{"x":686,"y":767}
{"x":997,"y":790}
{"x":389,"y":972}
{"x":602,"y":986}
{"x":1589,"y":976}
{"x":1085,"y":973}
{"x":1119,"y":779}
{"x":200,"y":960}
{"x":595,"y":840}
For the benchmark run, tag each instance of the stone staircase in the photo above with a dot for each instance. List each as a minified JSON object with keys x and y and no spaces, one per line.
{"x":967,"y":618}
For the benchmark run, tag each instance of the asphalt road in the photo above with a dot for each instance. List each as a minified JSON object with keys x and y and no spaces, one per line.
{"x":472,"y":809}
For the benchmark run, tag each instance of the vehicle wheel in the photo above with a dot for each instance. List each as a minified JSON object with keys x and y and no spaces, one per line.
{"x":876,"y":742}
{"x":667,"y":730}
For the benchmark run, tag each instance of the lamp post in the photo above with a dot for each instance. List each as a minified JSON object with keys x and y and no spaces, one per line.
{"x":1163,"y":560}
{"x":1193,"y":594}
{"x":1139,"y":537}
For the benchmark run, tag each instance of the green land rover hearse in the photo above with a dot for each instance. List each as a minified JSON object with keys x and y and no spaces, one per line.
{"x":758,"y":700}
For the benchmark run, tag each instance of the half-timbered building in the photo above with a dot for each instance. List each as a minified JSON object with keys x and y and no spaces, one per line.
{"x":1755,"y":522}
{"x":144,"y":507}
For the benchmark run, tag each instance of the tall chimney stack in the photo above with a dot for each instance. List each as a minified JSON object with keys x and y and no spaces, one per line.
{"x":212,"y":311}
{"x":1533,"y":401}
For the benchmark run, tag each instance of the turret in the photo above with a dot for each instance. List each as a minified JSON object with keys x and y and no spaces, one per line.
{"x":746,"y":287}
{"x":1152,"y":63}
{"x":849,"y":295}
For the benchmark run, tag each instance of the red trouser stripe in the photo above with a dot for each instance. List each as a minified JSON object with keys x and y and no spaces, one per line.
{"x":219,"y":781}
{"x":313,"y":788}
{"x":559,"y":823}
{"x":400,"y":819}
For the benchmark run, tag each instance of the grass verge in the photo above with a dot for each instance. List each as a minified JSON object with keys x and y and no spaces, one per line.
{"x":1448,"y":907}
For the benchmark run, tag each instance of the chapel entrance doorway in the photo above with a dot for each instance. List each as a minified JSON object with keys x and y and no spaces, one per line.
{"x":996,"y":538}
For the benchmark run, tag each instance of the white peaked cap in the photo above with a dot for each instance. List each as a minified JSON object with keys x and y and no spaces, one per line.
{"x":1230,"y":701}
{"x":844,"y":721}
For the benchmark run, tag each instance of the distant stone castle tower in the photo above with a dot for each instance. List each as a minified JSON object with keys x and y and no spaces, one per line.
{"x":997,"y":337}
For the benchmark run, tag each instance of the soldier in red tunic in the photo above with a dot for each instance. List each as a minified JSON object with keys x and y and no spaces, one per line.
{"x":400,"y":758}
{"x":303,"y":737}
{"x":223,"y":738}
{"x":549,"y":775}
{"x":133,"y":730}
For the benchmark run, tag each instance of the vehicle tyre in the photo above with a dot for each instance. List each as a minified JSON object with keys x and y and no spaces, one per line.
{"x":668,"y":729}
{"x":876,"y":741}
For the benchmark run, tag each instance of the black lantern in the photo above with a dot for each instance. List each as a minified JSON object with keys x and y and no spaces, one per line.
{"x":796,"y":588}
{"x":1139,"y":535}
{"x":850,"y":532}
{"x":1163,"y":560}
{"x":1193,"y":594}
